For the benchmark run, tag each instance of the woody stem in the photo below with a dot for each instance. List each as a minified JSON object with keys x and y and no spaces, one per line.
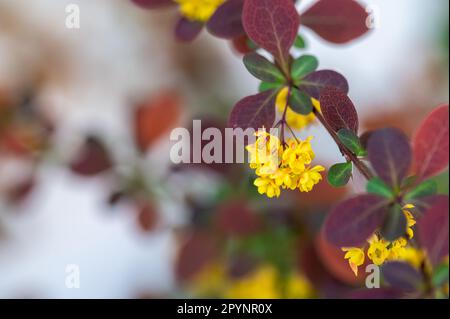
{"x":350,"y":156}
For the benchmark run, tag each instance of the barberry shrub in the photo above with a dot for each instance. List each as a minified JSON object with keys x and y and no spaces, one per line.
{"x":401,"y":223}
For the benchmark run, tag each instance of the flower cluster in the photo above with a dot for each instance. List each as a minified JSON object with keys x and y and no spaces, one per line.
{"x":294,"y":120}
{"x":198,"y":10}
{"x":380,"y":250}
{"x":283,"y":165}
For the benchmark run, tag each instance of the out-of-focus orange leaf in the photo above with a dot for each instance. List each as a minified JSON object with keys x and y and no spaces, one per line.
{"x":155,"y":117}
{"x":21,"y":140}
{"x":333,"y":260}
{"x":237,"y":219}
{"x":199,"y":250}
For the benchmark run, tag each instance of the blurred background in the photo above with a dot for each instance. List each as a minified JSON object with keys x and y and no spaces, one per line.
{"x":85,"y":174}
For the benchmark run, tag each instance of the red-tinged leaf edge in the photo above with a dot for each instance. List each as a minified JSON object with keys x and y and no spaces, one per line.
{"x":431,"y":144}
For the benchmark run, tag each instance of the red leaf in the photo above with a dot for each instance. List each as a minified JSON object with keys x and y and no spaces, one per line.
{"x":237,"y":219}
{"x":226,"y":22}
{"x":151,"y":4}
{"x":314,"y":83}
{"x":187,"y":30}
{"x":338,"y":110}
{"x":430,"y":144}
{"x":390,"y":155}
{"x":240,"y":44}
{"x":353,"y":221}
{"x":256,"y":111}
{"x":337,"y":21}
{"x":272,"y":24}
{"x":434,"y":228}
{"x":147,"y":217}
{"x":92,"y":159}
{"x":197,"y":252}
{"x":155,"y":117}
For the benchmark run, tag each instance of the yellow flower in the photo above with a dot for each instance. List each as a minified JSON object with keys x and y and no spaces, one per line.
{"x":413,"y":256}
{"x":293,"y":119}
{"x":355,"y":257}
{"x":267,"y":186}
{"x":298,"y":287}
{"x":378,"y":250}
{"x":283,"y":165}
{"x":309,"y":178}
{"x":410,"y":220}
{"x":397,"y":249}
{"x":261,"y":284}
{"x":198,"y":10}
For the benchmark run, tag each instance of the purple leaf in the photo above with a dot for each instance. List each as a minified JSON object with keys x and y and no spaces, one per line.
{"x":256,"y":111}
{"x":187,"y":30}
{"x":226,"y":22}
{"x":338,"y":110}
{"x":402,"y":276}
{"x":272,"y":24}
{"x":390,"y":155}
{"x":433,"y":229}
{"x":337,"y":21}
{"x":316,"y":82}
{"x":353,"y":221}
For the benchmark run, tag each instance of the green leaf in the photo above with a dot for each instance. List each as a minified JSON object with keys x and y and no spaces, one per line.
{"x":300,"y":102}
{"x":264,"y":86}
{"x":440,"y":275}
{"x":426,"y":188}
{"x":339,"y":174}
{"x":300,"y":42}
{"x":351,"y":141}
{"x":303,"y":66}
{"x":378,"y":187}
{"x":395,"y":224}
{"x":262,"y":68}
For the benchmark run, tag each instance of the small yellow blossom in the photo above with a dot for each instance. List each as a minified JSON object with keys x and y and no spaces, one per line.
{"x":309,"y":178}
{"x":293,"y":119}
{"x":283,"y":165}
{"x":198,"y":10}
{"x":355,"y":257}
{"x":378,"y":250}
{"x":413,"y":256}
{"x":410,"y":220}
{"x":398,"y":249}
